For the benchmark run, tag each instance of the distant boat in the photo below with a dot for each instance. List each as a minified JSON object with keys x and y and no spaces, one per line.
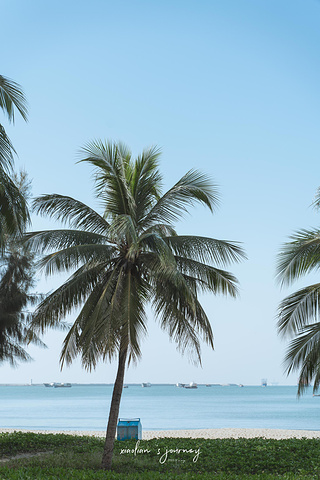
{"x":264,"y":382}
{"x":57,"y":385}
{"x":148,"y":384}
{"x":180,"y":385}
{"x":125,"y":386}
{"x":240,"y":385}
{"x":208,"y":385}
{"x":191,"y":385}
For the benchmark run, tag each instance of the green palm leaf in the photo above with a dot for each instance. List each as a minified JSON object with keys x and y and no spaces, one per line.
{"x":206,"y":249}
{"x":304,"y":353}
{"x":68,"y":210}
{"x":193,"y":187}
{"x":299,"y":309}
{"x":12,"y":96}
{"x":300,"y":256}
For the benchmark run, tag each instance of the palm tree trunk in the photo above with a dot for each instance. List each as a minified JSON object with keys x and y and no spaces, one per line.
{"x":114,"y":411}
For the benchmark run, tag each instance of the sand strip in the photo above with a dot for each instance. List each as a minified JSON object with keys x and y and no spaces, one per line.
{"x":201,"y":433}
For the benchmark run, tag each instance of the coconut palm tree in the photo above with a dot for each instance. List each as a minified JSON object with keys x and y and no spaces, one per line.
{"x":299,"y":312}
{"x":13,"y":208}
{"x":126,"y":257}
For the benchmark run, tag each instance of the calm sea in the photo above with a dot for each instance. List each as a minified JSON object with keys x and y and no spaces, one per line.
{"x":160,"y":407}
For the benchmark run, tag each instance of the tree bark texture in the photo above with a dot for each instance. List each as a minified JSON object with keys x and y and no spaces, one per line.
{"x":114,"y":412}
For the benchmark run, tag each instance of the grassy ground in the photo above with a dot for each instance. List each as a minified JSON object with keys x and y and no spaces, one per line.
{"x":57,"y":456}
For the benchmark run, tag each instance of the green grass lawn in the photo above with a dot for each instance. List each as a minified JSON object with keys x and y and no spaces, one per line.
{"x":58,"y":456}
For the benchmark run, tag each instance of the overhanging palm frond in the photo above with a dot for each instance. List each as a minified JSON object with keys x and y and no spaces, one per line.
{"x":180,"y":313}
{"x":208,"y":278}
{"x":94,"y":329}
{"x":70,"y":211}
{"x":73,"y":257}
{"x":56,"y":239}
{"x":56,"y":306}
{"x":304,"y":353}
{"x":6,"y":150}
{"x":204,"y":249}
{"x":299,"y":309}
{"x":12,"y":96}
{"x":300,"y":256}
{"x":191,"y":188}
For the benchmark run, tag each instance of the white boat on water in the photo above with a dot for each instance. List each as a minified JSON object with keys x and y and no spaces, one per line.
{"x":180,"y":385}
{"x":191,"y":385}
{"x":57,"y":385}
{"x":148,"y":384}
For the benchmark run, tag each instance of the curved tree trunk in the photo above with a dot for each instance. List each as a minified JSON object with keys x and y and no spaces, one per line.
{"x":114,"y":411}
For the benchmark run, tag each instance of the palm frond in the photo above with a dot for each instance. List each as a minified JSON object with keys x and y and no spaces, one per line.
{"x":12,"y":96}
{"x":145,"y":182}
{"x":6,"y":150}
{"x":85,"y":336}
{"x":304,"y":353}
{"x":208,"y":278}
{"x":298,"y":310}
{"x":193,"y":187}
{"x":56,"y":306}
{"x":75,"y":256}
{"x":299,"y":256}
{"x":204,"y":249}
{"x":180,"y":313}
{"x":70,"y":211}
{"x":55,"y":239}
{"x":111,"y":161}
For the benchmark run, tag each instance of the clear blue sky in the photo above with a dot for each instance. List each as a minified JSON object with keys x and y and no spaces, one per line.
{"x":227,"y":86}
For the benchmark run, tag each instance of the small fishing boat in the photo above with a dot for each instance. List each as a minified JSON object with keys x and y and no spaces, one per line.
{"x":148,"y":384}
{"x":191,"y":385}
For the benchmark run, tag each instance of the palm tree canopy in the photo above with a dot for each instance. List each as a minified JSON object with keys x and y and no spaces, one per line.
{"x":130,"y":255}
{"x":11,"y":98}
{"x":299,"y":312}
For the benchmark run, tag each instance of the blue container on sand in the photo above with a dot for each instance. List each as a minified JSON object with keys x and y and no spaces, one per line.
{"x":129,"y":428}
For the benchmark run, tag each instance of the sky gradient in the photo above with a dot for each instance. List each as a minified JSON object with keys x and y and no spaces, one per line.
{"x":230,"y":87}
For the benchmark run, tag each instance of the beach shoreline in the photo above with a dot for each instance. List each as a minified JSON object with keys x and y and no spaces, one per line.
{"x":276,"y":434}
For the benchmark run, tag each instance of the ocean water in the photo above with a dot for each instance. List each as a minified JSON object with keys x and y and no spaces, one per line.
{"x":160,"y":407}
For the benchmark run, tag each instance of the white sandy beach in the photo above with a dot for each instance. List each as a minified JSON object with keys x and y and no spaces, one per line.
{"x":201,"y":433}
